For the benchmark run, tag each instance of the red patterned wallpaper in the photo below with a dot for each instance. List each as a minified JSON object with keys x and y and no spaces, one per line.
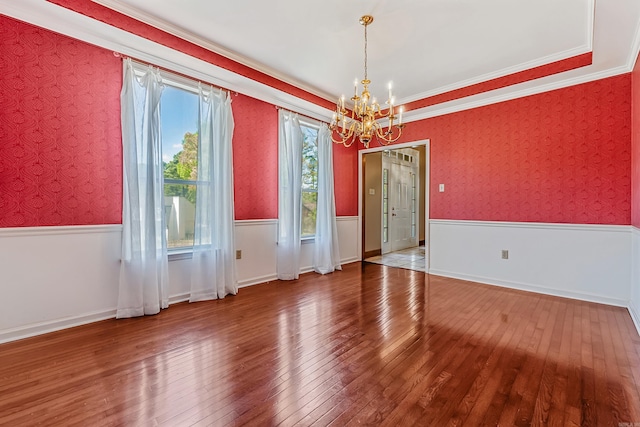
{"x":635,"y":145}
{"x":255,"y":158}
{"x":255,"y":163}
{"x":345,"y":176}
{"x":561,"y":156}
{"x":60,"y":142}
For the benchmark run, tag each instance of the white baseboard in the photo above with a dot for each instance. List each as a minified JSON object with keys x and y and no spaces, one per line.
{"x":274,"y":277}
{"x":635,"y":317}
{"x":56,"y":325}
{"x":257,"y":280}
{"x":532,"y":288}
{"x":178,"y":298}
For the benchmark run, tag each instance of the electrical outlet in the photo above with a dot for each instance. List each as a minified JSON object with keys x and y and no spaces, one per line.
{"x":505,"y":254}
{"x":239,"y":254}
{"x":441,"y":188}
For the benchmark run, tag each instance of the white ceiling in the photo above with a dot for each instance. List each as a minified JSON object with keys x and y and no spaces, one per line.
{"x":425,"y":47}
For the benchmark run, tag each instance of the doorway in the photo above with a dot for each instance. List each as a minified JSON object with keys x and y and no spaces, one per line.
{"x":394,"y":205}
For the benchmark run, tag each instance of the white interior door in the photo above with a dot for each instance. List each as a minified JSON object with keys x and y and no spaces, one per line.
{"x":400,"y":226}
{"x":400,"y":200}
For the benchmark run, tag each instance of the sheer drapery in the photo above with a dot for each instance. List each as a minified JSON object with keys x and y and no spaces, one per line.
{"x":144,"y":267}
{"x":326,"y":254}
{"x":213,"y":273}
{"x":289,"y":195}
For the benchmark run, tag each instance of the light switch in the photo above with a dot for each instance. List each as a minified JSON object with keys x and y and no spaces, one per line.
{"x":441,"y":188}
{"x":372,"y":191}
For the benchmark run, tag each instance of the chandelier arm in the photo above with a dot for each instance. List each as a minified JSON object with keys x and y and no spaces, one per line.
{"x":384,"y":140}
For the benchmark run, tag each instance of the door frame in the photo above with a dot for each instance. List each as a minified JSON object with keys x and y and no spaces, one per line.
{"x":425,"y":192}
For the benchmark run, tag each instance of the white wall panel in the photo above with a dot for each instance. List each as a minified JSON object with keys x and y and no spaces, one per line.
{"x":348,"y":237}
{"x":587,"y":262}
{"x":57,"y":277}
{"x":257,"y":241}
{"x":634,"y":304}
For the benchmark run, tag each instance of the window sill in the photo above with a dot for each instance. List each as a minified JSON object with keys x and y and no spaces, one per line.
{"x":180,"y":254}
{"x":307,"y":240}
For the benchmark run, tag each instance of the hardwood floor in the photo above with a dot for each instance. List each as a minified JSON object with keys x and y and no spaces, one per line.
{"x":369,"y":345}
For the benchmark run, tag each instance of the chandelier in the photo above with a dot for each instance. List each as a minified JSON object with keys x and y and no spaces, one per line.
{"x":361,"y":122}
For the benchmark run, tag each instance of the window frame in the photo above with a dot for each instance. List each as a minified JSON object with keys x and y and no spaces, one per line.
{"x":189,"y":85}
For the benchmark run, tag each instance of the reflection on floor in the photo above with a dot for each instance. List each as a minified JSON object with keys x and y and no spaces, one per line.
{"x":411,"y":259}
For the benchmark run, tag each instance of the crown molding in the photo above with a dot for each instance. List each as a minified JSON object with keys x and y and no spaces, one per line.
{"x":498,"y":74}
{"x":545,"y":60}
{"x":180,"y":32}
{"x":505,"y":94}
{"x":635,"y":49}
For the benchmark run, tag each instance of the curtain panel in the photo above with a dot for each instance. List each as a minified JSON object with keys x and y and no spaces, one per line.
{"x":326,"y":254}
{"x":144,"y":267}
{"x":213,"y":273}
{"x":289,"y":195}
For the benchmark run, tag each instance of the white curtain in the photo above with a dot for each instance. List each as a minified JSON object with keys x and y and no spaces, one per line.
{"x":326,"y":254}
{"x":213,"y":273}
{"x":144,"y":266}
{"x":289,"y":195}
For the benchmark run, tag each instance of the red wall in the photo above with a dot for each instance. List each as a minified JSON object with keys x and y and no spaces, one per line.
{"x":60,"y":141}
{"x":561,"y":156}
{"x":345,"y":177}
{"x":255,"y":158}
{"x":635,"y":145}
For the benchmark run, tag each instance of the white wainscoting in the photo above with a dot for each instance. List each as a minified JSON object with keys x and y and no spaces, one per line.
{"x":257,"y":240}
{"x":53,"y":278}
{"x":586,"y":262}
{"x":634,"y":304}
{"x":57,"y":277}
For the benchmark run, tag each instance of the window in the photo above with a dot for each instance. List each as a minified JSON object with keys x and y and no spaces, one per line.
{"x":309,"y":179}
{"x":179,"y":121}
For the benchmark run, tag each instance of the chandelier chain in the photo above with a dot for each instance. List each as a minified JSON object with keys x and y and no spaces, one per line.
{"x":365,"y":52}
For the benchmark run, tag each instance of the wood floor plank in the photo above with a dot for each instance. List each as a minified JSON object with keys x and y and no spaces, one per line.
{"x":370,"y":345}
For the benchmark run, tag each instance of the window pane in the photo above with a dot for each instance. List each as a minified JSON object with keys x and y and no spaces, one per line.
{"x":179,"y":115}
{"x":179,"y":210}
{"x":309,"y":158}
{"x":309,"y":205}
{"x":179,"y":122}
{"x":309,"y":180}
